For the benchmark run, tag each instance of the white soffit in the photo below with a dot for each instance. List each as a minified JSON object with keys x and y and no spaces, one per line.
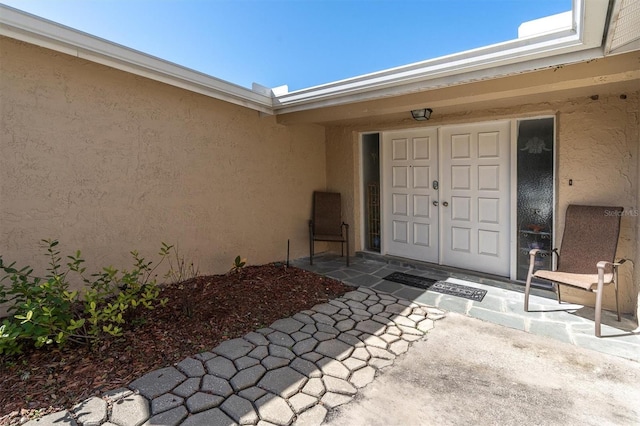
{"x":581,"y":40}
{"x":624,"y":34}
{"x":578,"y":39}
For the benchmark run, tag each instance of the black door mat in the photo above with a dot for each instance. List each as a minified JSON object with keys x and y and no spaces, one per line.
{"x":411,"y":280}
{"x":459,"y":290}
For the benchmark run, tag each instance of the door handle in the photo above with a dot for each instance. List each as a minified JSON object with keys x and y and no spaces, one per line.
{"x":445,"y":204}
{"x":435,"y":203}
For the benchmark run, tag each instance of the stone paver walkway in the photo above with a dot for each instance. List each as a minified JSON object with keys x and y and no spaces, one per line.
{"x":291,"y":372}
{"x":298,"y":368}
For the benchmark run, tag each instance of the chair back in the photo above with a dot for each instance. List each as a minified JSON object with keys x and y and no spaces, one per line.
{"x":590,"y":235}
{"x":327,"y":213}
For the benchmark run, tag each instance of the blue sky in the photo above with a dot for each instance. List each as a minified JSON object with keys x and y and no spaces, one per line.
{"x":300,"y":43}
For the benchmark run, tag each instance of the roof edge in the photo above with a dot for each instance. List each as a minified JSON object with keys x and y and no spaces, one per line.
{"x":579,"y":42}
{"x":582,"y":40}
{"x":35,"y":30}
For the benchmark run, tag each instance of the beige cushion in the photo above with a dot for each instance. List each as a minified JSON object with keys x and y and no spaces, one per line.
{"x":584,"y":281}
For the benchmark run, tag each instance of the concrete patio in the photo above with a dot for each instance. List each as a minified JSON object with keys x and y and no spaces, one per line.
{"x":503,"y":304}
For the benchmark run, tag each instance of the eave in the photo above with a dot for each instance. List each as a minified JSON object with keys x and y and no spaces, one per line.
{"x":579,"y":42}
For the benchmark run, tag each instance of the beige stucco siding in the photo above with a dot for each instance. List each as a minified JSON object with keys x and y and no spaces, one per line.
{"x":108,"y":162}
{"x":597,"y":147}
{"x":342,"y":161}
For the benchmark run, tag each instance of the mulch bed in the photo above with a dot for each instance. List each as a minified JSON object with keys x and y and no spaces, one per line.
{"x":201,"y":313}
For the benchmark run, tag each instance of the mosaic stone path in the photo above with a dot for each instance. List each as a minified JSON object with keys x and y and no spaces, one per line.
{"x":291,"y":372}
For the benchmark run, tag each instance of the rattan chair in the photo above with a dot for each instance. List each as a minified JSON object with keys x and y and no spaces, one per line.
{"x":327,"y":224}
{"x":587,"y":257}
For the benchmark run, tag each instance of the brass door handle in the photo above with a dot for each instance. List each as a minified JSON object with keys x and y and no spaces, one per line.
{"x":435,"y":203}
{"x":445,"y":204}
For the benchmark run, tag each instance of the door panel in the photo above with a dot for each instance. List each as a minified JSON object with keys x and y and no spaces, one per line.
{"x":474,"y":197}
{"x":410,"y":166}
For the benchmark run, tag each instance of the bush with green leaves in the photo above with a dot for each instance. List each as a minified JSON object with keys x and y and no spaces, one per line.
{"x":43,"y":310}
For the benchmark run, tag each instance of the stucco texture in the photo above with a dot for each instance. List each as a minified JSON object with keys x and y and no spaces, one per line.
{"x":597,"y":147}
{"x":108,"y":162}
{"x":597,"y":150}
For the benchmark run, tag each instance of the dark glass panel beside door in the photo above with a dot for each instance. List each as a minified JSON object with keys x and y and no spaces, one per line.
{"x":535,"y":191}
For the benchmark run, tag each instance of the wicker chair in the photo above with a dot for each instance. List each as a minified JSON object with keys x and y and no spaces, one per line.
{"x":327,"y":224}
{"x":587,"y":258}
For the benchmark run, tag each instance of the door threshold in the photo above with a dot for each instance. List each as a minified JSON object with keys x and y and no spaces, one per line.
{"x":459,"y":273}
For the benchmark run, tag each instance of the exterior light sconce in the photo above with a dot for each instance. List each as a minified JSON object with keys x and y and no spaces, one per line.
{"x":421,"y":114}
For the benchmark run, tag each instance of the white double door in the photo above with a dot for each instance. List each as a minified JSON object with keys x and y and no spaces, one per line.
{"x":446,"y":195}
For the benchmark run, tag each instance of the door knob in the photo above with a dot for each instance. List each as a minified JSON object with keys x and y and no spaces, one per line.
{"x":435,"y":203}
{"x":445,"y":204}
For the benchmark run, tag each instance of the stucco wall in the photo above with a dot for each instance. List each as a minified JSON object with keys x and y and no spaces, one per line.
{"x":342,"y":160}
{"x":597,"y":147}
{"x":108,"y":162}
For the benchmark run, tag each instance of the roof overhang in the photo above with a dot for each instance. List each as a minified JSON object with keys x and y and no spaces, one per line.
{"x":624,"y":31}
{"x":51,"y":35}
{"x":582,"y":39}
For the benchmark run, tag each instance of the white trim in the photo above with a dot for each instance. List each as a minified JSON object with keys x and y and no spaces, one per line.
{"x":364,"y":231}
{"x":513,"y":240}
{"x":556,"y":182}
{"x":363,"y":210}
{"x":41,"y":32}
{"x":440,"y":186}
{"x":581,"y":41}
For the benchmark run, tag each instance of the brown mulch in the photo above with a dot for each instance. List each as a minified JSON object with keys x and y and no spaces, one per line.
{"x":201,"y":313}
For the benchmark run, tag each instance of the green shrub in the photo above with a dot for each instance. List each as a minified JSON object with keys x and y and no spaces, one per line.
{"x":43,"y":311}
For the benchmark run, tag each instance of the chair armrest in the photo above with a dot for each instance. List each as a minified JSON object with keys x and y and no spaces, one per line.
{"x":532,"y":259}
{"x":603,"y":263}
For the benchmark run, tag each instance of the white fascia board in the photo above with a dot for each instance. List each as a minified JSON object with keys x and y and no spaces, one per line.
{"x":443,"y":81}
{"x":452,"y":65}
{"x":41,"y":32}
{"x":580,"y":42}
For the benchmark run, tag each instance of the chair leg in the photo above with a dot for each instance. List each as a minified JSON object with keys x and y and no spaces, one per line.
{"x":347,"y":249}
{"x":598,"y":310}
{"x":346,"y":239}
{"x":311,"y":251}
{"x":615,"y":286}
{"x":527,"y":288}
{"x":557,"y":285}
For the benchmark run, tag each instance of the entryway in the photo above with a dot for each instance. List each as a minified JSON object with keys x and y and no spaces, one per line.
{"x":445,"y":195}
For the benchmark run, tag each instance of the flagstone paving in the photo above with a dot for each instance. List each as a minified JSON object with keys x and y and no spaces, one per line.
{"x":291,"y":372}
